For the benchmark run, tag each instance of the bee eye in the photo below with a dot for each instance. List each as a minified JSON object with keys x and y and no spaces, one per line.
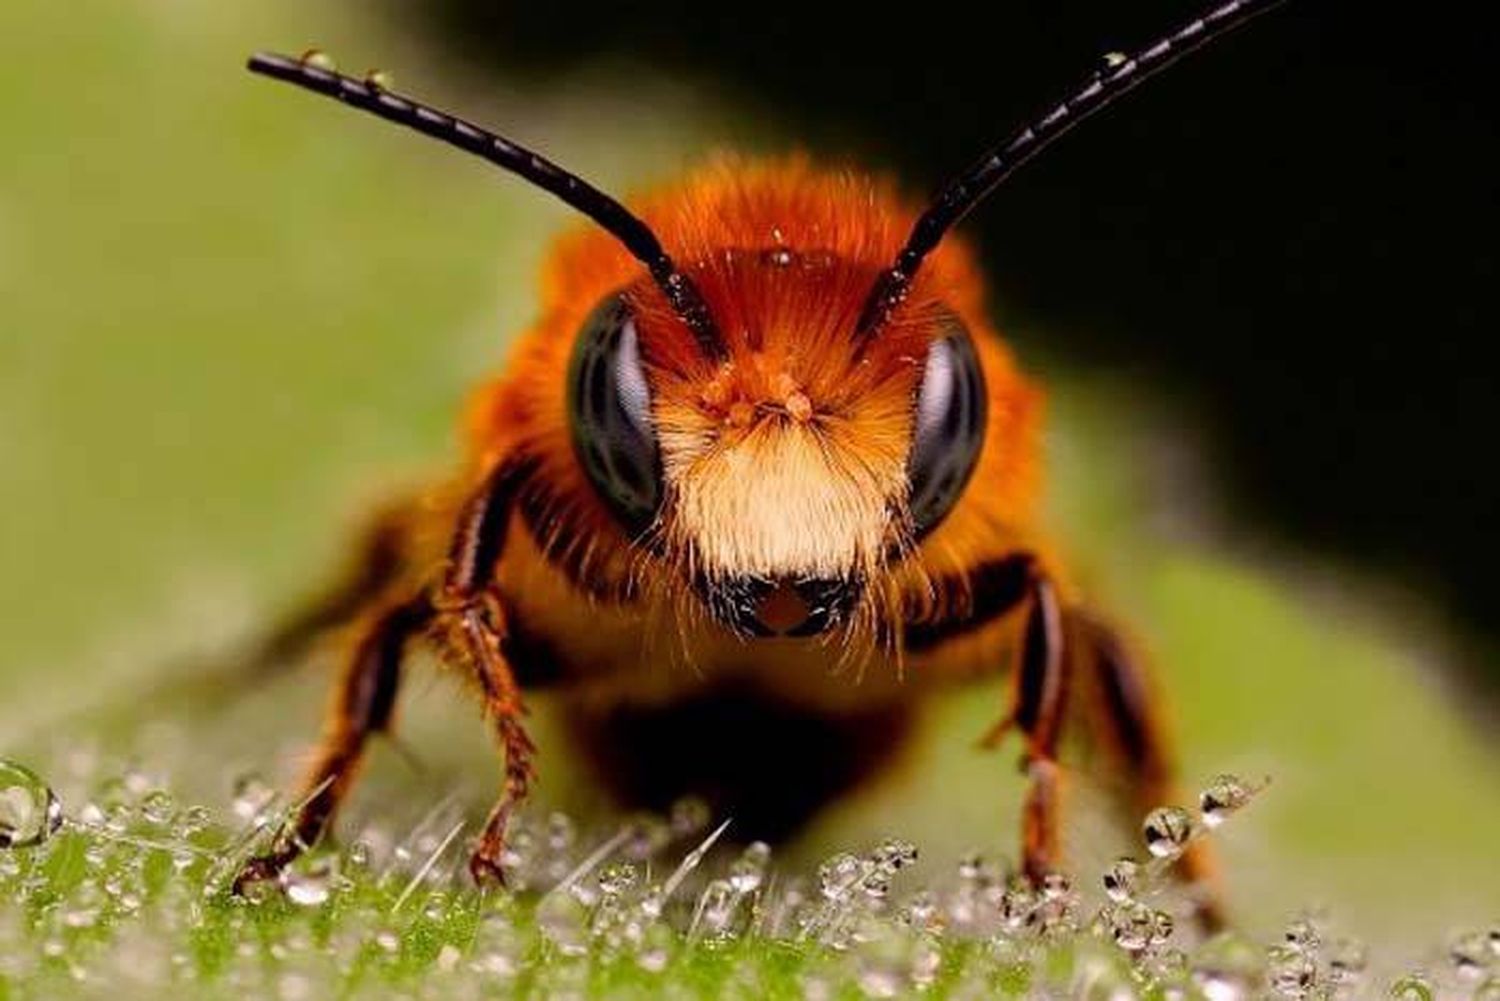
{"x":949,"y":428}
{"x":609,"y":406}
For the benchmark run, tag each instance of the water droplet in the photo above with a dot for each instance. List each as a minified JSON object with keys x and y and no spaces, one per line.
{"x":617,"y":877}
{"x":689,"y":815}
{"x":157,"y":807}
{"x":655,"y":948}
{"x":651,"y":903}
{"x":1302,"y":935}
{"x":499,"y":947}
{"x":1017,"y":903}
{"x":1122,"y":879}
{"x":258,"y":891}
{"x":748,"y":871}
{"x":894,"y":854}
{"x":926,"y":960}
{"x":307,"y":889}
{"x":1292,"y":972}
{"x":1114,"y":60}
{"x":1132,"y":925}
{"x":882,"y":958}
{"x":560,"y":832}
{"x":1226,"y":968}
{"x":1162,"y":926}
{"x":357,"y":856}
{"x":1167,"y":830}
{"x":1471,"y":954}
{"x":648,"y":835}
{"x":251,"y":796}
{"x":319,"y":60}
{"x":435,"y":907}
{"x":1224,"y":795}
{"x":921,"y":911}
{"x":1411,"y":987}
{"x":379,"y":80}
{"x":1347,"y":959}
{"x":838,"y":875}
{"x":717,"y":908}
{"x":29,"y":810}
{"x":1055,"y":886}
{"x":192,"y":820}
{"x":562,"y":920}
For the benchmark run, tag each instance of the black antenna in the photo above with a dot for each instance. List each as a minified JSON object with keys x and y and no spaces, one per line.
{"x":1121,"y":74}
{"x":312,"y":72}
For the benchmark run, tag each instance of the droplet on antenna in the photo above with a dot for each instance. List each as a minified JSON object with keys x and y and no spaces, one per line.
{"x":317,"y":59}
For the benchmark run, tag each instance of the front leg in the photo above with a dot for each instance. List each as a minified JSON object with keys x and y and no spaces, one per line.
{"x":996,"y":589}
{"x":1038,"y":707}
{"x":1058,"y":642}
{"x":363,"y":703}
{"x":471,"y":627}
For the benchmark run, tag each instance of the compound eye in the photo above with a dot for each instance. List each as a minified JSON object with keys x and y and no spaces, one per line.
{"x":609,"y":406}
{"x":948,"y":430}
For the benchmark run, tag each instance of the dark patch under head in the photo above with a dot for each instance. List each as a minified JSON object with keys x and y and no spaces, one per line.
{"x":995,"y":588}
{"x":765,"y":763}
{"x":609,"y":409}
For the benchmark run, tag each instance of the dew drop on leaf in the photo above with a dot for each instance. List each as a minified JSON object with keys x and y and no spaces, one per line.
{"x":1347,"y":959}
{"x":562,"y":921}
{"x":1226,"y":968}
{"x":1302,"y":936}
{"x":1122,"y":879}
{"x":1411,"y":987}
{"x":157,"y":807}
{"x":1224,"y":795}
{"x":1471,"y":955}
{"x":307,"y":889}
{"x":1293,"y":972}
{"x":618,"y":877}
{"x":837,"y":875}
{"x":29,"y":810}
{"x":688,"y":816}
{"x":1167,"y":830}
{"x":1132,"y":926}
{"x":748,"y":871}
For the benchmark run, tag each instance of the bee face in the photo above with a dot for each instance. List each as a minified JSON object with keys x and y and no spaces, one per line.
{"x":779,"y":482}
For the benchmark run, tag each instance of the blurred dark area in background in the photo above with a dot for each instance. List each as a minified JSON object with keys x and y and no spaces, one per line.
{"x":1294,"y":233}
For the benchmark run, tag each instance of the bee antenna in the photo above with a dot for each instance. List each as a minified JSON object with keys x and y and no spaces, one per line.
{"x":370,"y":95}
{"x":1120,"y":74}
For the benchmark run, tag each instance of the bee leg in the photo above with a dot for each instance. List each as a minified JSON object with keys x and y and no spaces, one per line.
{"x":363,"y":703}
{"x":1128,"y":714}
{"x":471,"y":627}
{"x":1039,"y":705}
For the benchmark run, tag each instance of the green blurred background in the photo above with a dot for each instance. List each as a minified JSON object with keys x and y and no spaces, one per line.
{"x":231,"y":316}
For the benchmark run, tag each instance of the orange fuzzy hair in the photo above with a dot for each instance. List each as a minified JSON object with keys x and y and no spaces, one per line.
{"x":784,"y":255}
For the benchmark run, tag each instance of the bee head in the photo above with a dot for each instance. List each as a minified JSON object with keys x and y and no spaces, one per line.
{"x":782,"y":477}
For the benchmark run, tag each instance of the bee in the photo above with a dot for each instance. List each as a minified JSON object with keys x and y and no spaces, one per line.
{"x":761,"y":475}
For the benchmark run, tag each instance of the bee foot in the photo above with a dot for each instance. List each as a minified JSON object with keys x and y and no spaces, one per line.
{"x":485,"y":868}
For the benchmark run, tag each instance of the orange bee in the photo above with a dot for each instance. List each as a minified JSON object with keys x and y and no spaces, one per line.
{"x":761,"y":471}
